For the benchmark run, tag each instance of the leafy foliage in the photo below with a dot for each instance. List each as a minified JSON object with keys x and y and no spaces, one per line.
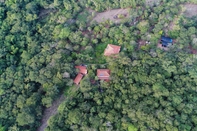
{"x":42,"y":41}
{"x":137,"y":93}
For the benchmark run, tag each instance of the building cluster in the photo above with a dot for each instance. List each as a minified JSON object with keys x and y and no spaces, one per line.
{"x":102,"y":74}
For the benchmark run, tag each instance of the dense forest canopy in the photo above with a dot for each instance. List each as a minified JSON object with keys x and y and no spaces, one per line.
{"x":150,"y":93}
{"x":150,"y":88}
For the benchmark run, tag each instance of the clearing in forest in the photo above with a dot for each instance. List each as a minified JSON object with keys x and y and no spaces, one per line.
{"x":115,"y":15}
{"x":190,"y":10}
{"x":152,"y":2}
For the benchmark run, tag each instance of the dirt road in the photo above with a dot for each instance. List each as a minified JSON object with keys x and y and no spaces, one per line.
{"x":50,"y":112}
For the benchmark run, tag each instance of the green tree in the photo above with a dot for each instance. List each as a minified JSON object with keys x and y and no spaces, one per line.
{"x":25,"y":118}
{"x":132,"y":128}
{"x":2,"y":128}
{"x":64,"y":33}
{"x":143,"y":26}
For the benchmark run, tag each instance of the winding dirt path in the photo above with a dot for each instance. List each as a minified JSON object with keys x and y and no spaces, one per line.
{"x":50,"y":112}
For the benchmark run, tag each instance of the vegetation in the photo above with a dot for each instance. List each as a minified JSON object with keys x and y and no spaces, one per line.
{"x":150,"y":89}
{"x":148,"y":92}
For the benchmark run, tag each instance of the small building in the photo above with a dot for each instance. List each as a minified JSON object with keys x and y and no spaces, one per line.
{"x":103,"y":74}
{"x":82,"y":69}
{"x":78,"y":78}
{"x":111,"y":49}
{"x":166,"y":39}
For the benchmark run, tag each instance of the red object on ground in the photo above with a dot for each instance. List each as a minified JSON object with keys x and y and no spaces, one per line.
{"x":111,"y":49}
{"x":82,"y":69}
{"x":78,"y":78}
{"x":103,"y":74}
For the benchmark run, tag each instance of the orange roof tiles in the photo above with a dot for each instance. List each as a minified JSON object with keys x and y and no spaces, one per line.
{"x":82,"y":69}
{"x":103,"y":74}
{"x":78,"y":78}
{"x":111,"y":49}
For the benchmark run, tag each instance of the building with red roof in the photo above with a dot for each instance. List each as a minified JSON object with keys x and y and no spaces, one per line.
{"x":111,"y":49}
{"x":103,"y":74}
{"x":78,"y":78}
{"x":82,"y":69}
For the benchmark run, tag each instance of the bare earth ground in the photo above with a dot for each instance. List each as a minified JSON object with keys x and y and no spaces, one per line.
{"x":191,"y":10}
{"x":110,"y":14}
{"x":152,"y":2}
{"x":161,"y":47}
{"x":141,"y":43}
{"x":50,"y":112}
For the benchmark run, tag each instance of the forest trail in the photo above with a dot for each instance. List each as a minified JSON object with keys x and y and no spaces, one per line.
{"x":50,"y":112}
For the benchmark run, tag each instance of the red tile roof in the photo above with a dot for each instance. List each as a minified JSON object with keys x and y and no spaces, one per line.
{"x":82,"y":69}
{"x":111,"y":49}
{"x":78,"y":78}
{"x":103,"y":74}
